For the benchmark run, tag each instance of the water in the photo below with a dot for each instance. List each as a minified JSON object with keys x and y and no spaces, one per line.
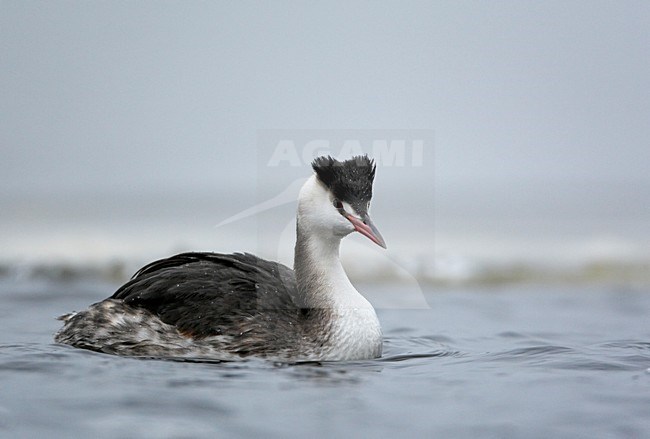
{"x":518,"y":361}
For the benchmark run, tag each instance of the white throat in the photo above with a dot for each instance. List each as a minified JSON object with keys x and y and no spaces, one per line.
{"x":322,"y":277}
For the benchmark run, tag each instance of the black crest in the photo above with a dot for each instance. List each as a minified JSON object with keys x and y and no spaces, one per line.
{"x":349,"y":180}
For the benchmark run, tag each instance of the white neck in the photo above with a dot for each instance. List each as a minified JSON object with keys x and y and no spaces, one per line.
{"x":351,"y":326}
{"x":322,"y":281}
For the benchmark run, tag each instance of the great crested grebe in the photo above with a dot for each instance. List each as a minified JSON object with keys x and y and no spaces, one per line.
{"x":225,"y":307}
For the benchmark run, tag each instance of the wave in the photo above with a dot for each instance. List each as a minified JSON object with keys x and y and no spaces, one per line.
{"x":422,"y":272}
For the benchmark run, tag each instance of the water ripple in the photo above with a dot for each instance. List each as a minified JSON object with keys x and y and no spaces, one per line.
{"x":603,"y":357}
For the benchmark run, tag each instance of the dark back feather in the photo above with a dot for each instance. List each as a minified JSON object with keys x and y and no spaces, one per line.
{"x":205,"y":294}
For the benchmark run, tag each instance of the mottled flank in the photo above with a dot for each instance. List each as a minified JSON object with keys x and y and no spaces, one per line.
{"x":113,"y":327}
{"x":349,"y":180}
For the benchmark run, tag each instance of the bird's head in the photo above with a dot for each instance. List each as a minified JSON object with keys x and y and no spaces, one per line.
{"x":335,"y":201}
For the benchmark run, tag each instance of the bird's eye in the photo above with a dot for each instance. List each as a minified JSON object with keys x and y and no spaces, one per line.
{"x":338,"y":204}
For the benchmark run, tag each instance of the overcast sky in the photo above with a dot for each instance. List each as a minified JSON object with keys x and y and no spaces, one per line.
{"x":541,"y":110}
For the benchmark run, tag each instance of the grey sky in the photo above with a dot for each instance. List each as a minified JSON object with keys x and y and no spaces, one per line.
{"x":541,"y":110}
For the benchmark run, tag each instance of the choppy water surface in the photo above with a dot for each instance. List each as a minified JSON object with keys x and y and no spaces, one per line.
{"x":508,"y":362}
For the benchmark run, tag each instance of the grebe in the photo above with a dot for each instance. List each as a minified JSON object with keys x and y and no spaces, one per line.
{"x":225,"y":307}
